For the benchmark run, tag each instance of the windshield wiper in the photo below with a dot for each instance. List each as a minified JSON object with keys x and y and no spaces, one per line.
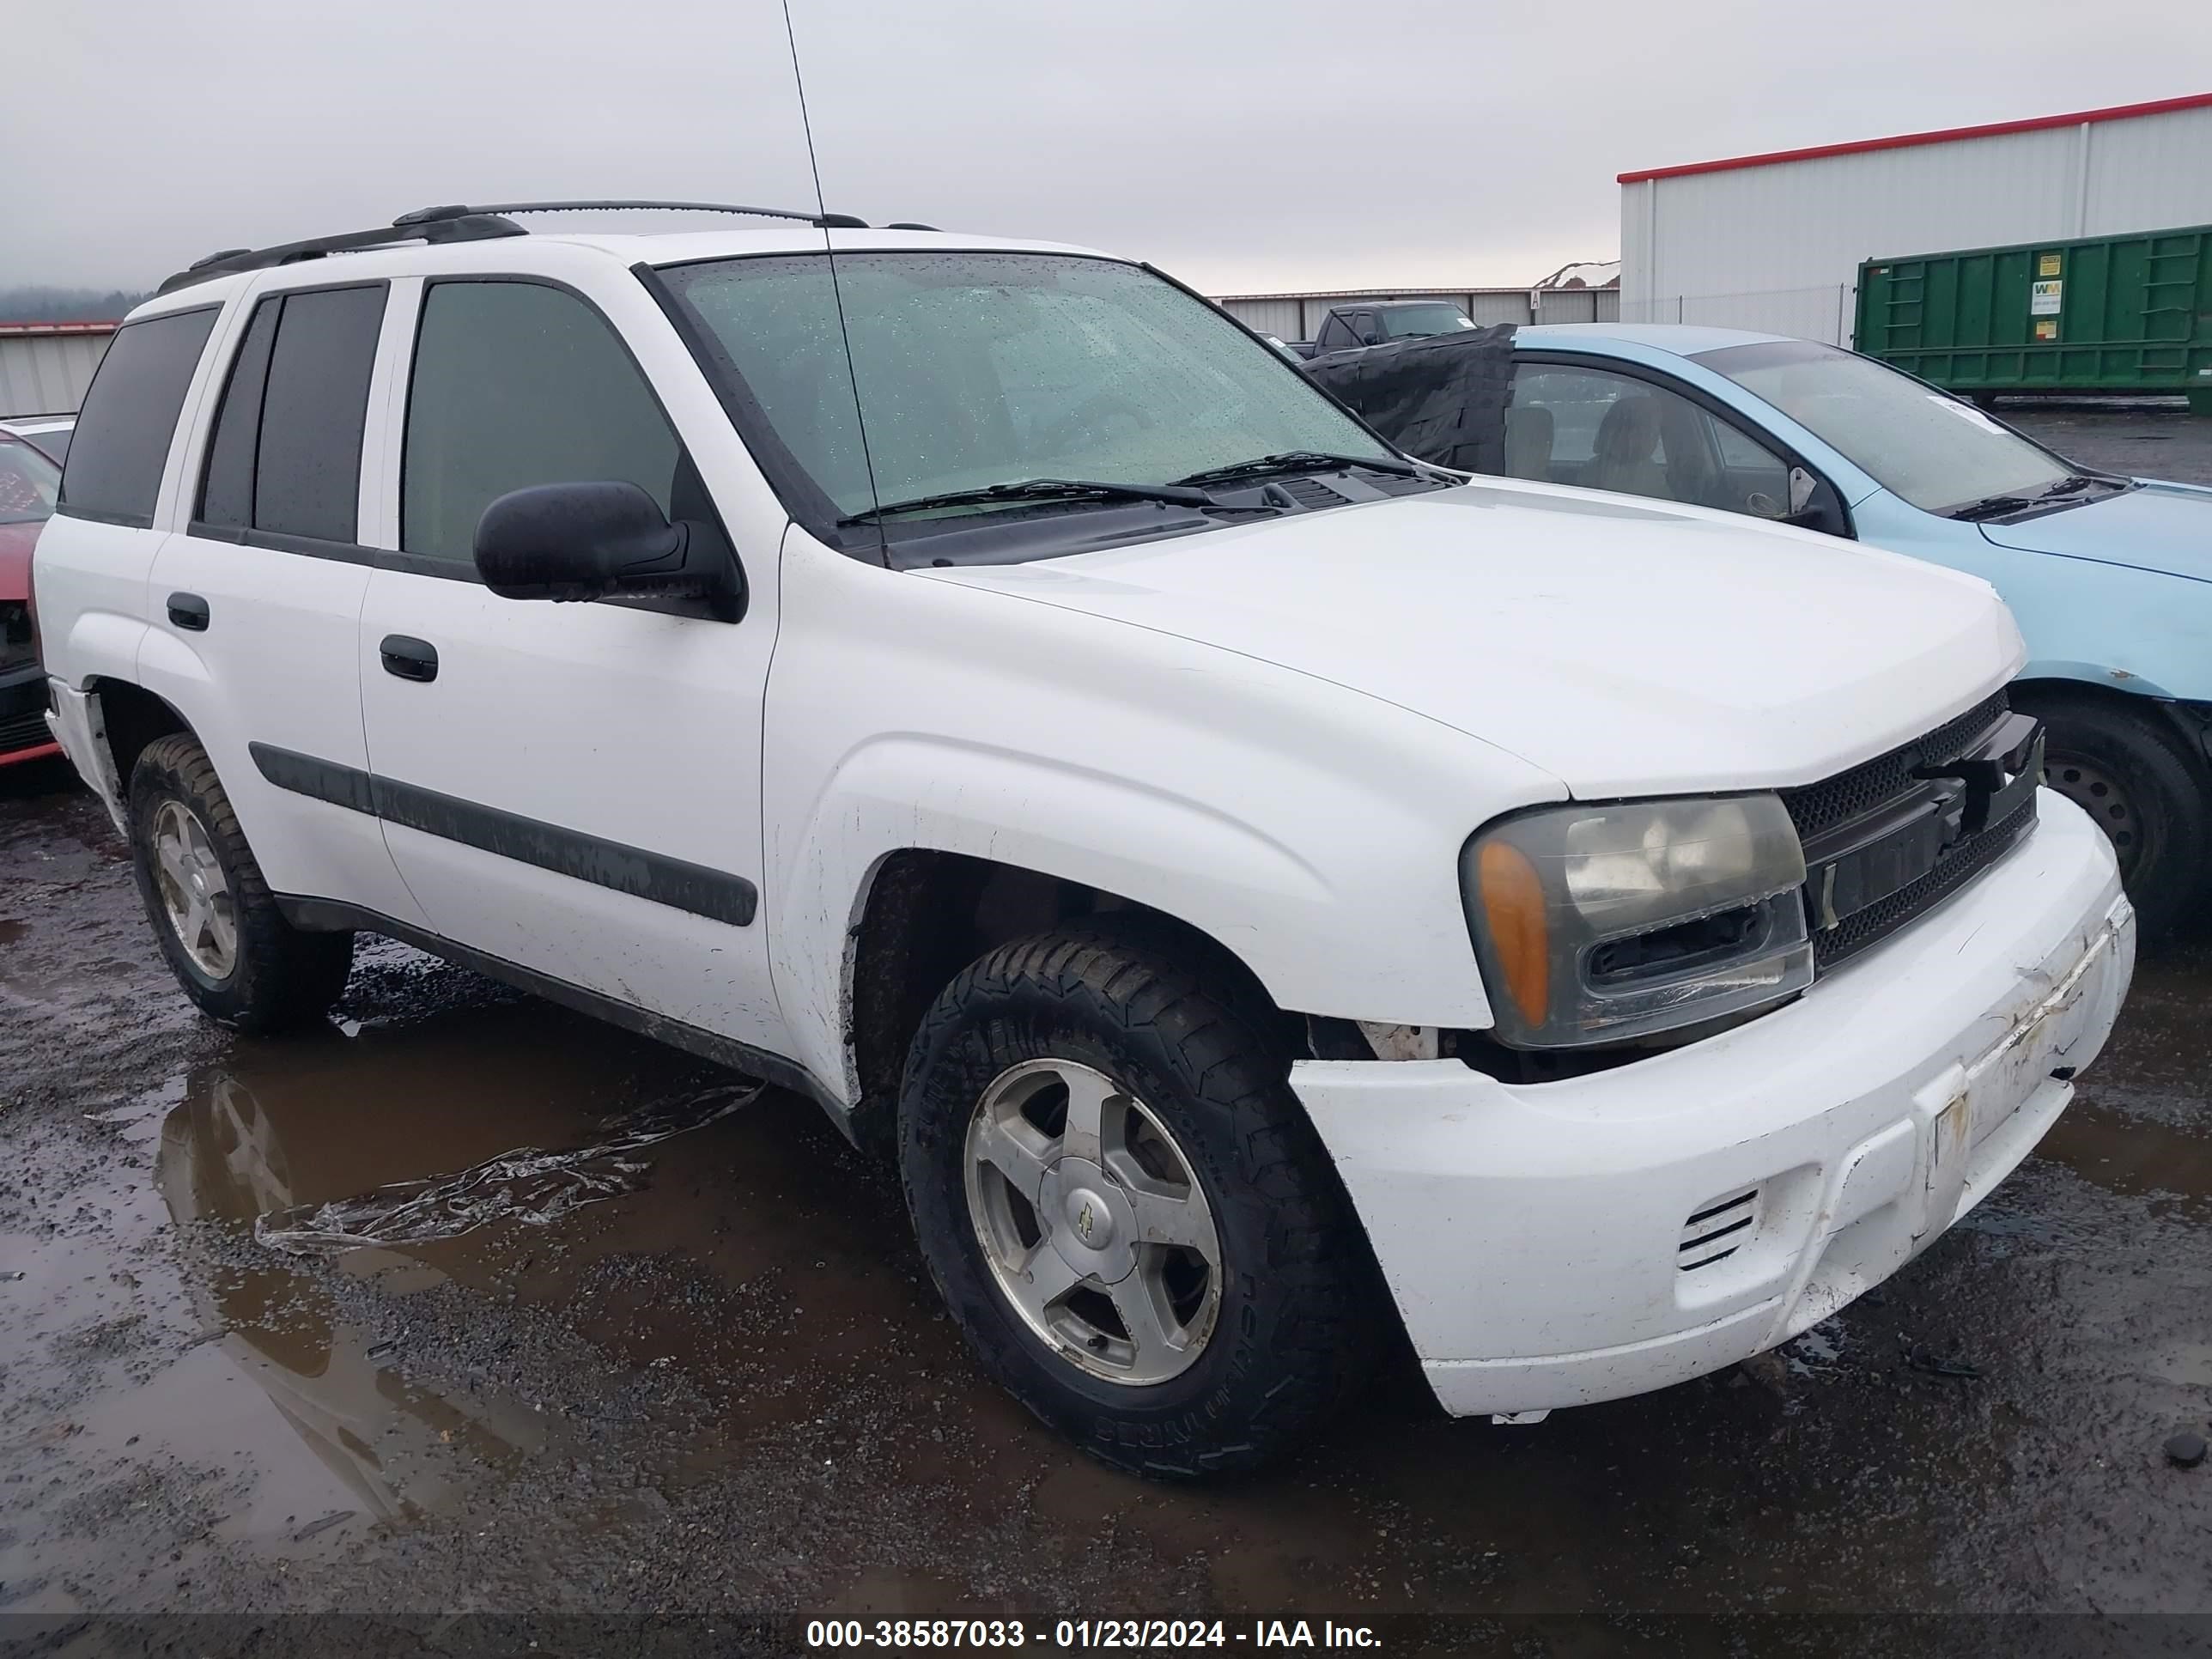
{"x":1991,"y":506}
{"x":1040,"y":489}
{"x":1302,"y":460}
{"x":2077,"y":483}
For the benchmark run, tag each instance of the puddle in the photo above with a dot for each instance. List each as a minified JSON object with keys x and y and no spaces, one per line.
{"x":2127,"y":1153}
{"x":525,"y":1185}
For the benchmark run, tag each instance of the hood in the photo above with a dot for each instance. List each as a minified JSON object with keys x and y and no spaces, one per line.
{"x":2165,"y":528}
{"x":1625,"y":649}
{"x":17,"y":541}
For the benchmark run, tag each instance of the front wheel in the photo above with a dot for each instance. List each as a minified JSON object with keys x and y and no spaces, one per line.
{"x":2130,"y":772}
{"x":1127,"y":1210}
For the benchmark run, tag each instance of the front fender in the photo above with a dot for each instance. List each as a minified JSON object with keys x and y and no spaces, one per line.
{"x":2112,"y":625}
{"x":1311,"y":830}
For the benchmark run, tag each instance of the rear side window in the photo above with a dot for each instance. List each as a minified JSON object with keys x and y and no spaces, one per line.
{"x":518,"y":384}
{"x":123,"y":432}
{"x":285,"y":458}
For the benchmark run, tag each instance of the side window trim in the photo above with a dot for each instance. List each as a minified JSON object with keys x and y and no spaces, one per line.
{"x":1623,"y":369}
{"x":387,"y":415}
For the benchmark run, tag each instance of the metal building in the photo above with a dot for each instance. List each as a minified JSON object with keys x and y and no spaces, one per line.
{"x":1775,"y":241}
{"x":1295,"y":316}
{"x":45,"y":367}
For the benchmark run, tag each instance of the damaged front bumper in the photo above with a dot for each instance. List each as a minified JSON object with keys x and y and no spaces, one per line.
{"x":74,"y":718}
{"x":1560,"y":1243}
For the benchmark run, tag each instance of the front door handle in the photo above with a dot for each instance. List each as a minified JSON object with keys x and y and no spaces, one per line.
{"x":189,"y":611}
{"x":409,"y":658}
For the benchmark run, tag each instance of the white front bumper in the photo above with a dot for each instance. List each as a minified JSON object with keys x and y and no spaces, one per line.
{"x":1533,"y":1235}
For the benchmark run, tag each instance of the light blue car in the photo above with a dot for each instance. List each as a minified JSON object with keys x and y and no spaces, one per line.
{"x":2111,"y":577}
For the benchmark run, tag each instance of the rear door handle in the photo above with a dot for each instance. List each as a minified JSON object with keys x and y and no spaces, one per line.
{"x":189,"y":611}
{"x":409,"y":658}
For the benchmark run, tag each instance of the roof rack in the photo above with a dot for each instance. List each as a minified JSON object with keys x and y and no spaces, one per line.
{"x":457,"y":223}
{"x":824,"y":221}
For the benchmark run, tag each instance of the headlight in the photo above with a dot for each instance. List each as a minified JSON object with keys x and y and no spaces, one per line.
{"x":1596,"y":924}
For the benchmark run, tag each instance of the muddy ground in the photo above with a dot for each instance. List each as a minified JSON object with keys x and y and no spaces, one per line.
{"x":705,"y":1374}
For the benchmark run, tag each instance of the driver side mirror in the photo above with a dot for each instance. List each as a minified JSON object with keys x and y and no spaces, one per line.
{"x":1814,"y":504}
{"x":591,"y":541}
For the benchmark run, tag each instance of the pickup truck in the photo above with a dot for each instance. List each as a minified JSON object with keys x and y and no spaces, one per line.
{"x":1262,"y":891}
{"x":1376,"y":322}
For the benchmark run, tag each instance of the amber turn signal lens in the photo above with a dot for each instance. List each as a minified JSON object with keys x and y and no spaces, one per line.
{"x":1513,"y":902}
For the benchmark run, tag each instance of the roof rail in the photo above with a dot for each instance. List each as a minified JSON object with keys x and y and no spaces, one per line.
{"x":455,"y":225}
{"x":824,"y":221}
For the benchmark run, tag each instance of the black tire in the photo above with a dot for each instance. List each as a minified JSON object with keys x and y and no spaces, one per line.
{"x":2131,"y":773}
{"x":1300,"y":1298}
{"x":282,"y":979}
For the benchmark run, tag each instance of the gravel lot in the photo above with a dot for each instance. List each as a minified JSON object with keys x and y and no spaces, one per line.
{"x":705,"y":1375}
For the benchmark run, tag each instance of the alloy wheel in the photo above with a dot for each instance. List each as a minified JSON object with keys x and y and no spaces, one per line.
{"x":195,"y":892}
{"x":1093,"y":1222}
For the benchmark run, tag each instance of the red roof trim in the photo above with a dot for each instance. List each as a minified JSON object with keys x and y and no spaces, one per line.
{"x":1902,"y":141}
{"x":60,"y":328}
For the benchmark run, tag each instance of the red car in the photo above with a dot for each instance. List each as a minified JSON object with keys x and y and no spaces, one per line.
{"x":29,"y":483}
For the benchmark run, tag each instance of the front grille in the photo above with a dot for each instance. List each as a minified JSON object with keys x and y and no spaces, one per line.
{"x":26,"y":730}
{"x":1818,"y":808}
{"x":1833,"y":817}
{"x":1959,"y":866}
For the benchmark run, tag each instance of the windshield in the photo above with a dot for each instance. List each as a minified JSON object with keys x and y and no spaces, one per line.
{"x":1411,"y":322}
{"x":974,"y":369}
{"x":28,"y":483}
{"x":1935,"y":451}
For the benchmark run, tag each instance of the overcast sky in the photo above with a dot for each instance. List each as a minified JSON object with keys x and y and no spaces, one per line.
{"x":1248,"y":148}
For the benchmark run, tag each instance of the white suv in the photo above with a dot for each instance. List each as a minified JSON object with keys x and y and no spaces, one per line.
{"x":1264,"y":889}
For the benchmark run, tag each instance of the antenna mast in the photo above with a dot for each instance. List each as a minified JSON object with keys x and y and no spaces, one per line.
{"x":836,"y":292}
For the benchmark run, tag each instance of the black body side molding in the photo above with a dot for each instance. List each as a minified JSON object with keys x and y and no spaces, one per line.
{"x":714,"y":894}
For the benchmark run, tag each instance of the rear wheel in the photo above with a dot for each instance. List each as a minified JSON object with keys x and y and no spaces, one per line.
{"x":2131,"y":775}
{"x":217,"y":924}
{"x":1127,"y":1210}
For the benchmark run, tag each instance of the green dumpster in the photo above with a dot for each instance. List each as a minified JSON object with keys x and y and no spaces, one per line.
{"x":2107,"y":314}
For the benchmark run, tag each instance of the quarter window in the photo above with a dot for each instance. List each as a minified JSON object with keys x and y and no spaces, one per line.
{"x":285,"y":457}
{"x":129,"y":414}
{"x":518,"y":384}
{"x":1603,"y":431}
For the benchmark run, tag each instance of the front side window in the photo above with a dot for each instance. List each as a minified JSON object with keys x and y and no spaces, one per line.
{"x":28,"y":483}
{"x":1935,"y":451}
{"x":1572,"y":425}
{"x":122,"y":438}
{"x":285,"y":455}
{"x":518,"y":384}
{"x":971,"y":369}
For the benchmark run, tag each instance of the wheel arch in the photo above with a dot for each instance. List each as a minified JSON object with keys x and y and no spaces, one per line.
{"x":2040,"y":690}
{"x":924,"y":913}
